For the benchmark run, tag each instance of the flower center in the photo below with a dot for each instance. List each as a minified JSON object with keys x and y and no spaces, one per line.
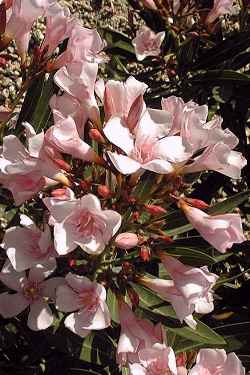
{"x":156,"y":369}
{"x":32,"y":291}
{"x":89,"y":299}
{"x":144,"y":152}
{"x":88,"y":224}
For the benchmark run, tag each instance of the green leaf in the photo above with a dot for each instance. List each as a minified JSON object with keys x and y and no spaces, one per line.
{"x":221,"y":77}
{"x":112,"y":305}
{"x":86,"y":351}
{"x":30,"y":102}
{"x":41,"y":115}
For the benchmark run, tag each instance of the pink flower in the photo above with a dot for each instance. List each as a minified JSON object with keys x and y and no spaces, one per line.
{"x":149,"y":4}
{"x":146,"y":148}
{"x":83,"y":45}
{"x":158,"y":360}
{"x":64,"y":137}
{"x":22,"y":171}
{"x":22,"y":16}
{"x":66,"y":105}
{"x":126,"y":240}
{"x":58,"y":27}
{"x":221,"y":231}
{"x":78,"y":80}
{"x":220,"y":158}
{"x":87,"y":300}
{"x":121,"y":100}
{"x":32,"y":291}
{"x":216,"y":361}
{"x":82,"y":222}
{"x":147,"y":43}
{"x":220,"y":8}
{"x":28,"y":246}
{"x":136,"y":334}
{"x":189,"y":290}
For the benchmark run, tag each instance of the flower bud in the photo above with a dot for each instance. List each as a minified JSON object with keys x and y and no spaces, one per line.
{"x":167,"y":239}
{"x":126,"y":240}
{"x":196,"y":203}
{"x":85,"y":185}
{"x":104,"y":191}
{"x":145,"y":253}
{"x":3,"y":62}
{"x":63,"y":165}
{"x":72,"y":262}
{"x":135,"y":216}
{"x":155,"y":210}
{"x":95,"y":135}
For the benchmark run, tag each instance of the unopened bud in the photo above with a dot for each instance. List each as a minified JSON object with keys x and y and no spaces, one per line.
{"x":85,"y":185}
{"x":135,"y":216}
{"x":126,"y":240}
{"x":3,"y":62}
{"x":196,"y":203}
{"x":134,"y":298}
{"x":104,"y":191}
{"x":72,"y":262}
{"x":127,"y":268}
{"x":145,"y":253}
{"x":96,"y":136}
{"x":155,"y":210}
{"x":167,"y":239}
{"x":63,"y":165}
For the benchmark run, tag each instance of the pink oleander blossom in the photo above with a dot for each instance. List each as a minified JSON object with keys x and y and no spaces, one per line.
{"x":158,"y":360}
{"x":220,"y":8}
{"x":189,"y":291}
{"x":147,"y":43}
{"x":136,"y":334}
{"x":59,"y":26}
{"x":145,"y":148}
{"x":31,"y":291}
{"x":22,"y":170}
{"x":77,"y":79}
{"x":21,"y":17}
{"x":84,"y":45}
{"x":87,"y":300}
{"x":28,"y":246}
{"x":66,"y":105}
{"x":64,"y":137}
{"x":121,"y":100}
{"x":221,"y":231}
{"x":217,"y":362}
{"x":82,"y":222}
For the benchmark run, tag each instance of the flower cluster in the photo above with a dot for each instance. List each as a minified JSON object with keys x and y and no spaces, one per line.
{"x":86,"y":172}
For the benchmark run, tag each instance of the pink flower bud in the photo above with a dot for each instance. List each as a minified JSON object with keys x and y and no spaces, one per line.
{"x":96,"y":136}
{"x":126,"y":240}
{"x":85,"y":185}
{"x":63,"y":165}
{"x":3,"y":62}
{"x":197,"y":203}
{"x":155,"y":210}
{"x":145,"y":253}
{"x":104,"y":191}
